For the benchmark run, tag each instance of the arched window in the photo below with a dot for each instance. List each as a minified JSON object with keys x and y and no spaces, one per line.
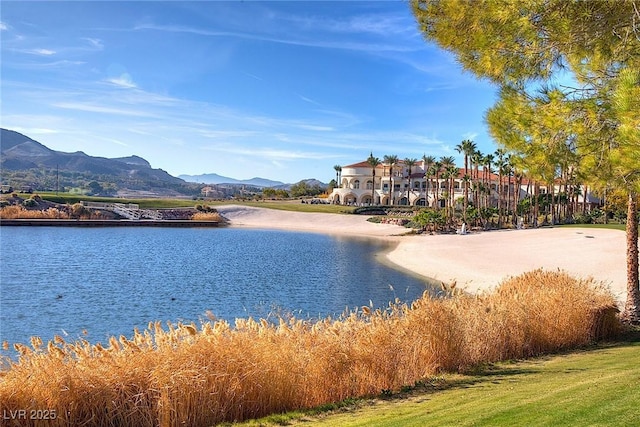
{"x":356,"y":184}
{"x":369,"y":185}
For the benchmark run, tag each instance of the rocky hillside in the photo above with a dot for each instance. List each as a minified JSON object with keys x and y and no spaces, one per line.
{"x":25,"y":162}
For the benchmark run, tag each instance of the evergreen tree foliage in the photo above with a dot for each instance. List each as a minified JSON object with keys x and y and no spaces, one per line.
{"x":569,"y":84}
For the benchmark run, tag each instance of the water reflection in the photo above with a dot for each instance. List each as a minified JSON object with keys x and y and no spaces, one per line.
{"x":108,"y":280}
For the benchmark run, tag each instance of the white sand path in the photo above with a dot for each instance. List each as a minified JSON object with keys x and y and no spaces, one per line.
{"x":476,"y":261}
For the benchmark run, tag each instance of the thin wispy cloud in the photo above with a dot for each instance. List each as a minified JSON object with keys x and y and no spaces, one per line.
{"x":38,"y":131}
{"x":253,"y":76}
{"x":270,"y":153}
{"x":40,"y":52}
{"x":309,"y":100}
{"x":291,"y":39}
{"x":51,"y":65}
{"x":91,"y":108}
{"x":94,"y":43}
{"x":196,"y":87}
{"x":314,"y":128}
{"x":123,"y":81}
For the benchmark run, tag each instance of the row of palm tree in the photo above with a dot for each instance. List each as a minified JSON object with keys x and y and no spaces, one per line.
{"x":480,"y":189}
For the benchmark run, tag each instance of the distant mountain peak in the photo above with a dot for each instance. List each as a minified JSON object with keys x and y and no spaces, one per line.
{"x":214,"y":178}
{"x":20,"y":154}
{"x":133,"y":160}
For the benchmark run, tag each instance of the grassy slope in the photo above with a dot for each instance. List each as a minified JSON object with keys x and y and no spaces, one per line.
{"x":596,"y":387}
{"x":287,"y":205}
{"x":609,"y":226}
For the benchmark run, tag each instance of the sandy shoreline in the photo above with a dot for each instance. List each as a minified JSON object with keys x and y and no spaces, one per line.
{"x":477,"y":261}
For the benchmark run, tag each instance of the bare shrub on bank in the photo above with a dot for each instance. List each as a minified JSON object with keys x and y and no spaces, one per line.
{"x":206,"y":216}
{"x":188,"y":374}
{"x":19,"y":212}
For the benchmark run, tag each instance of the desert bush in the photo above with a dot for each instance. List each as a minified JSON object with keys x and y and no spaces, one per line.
{"x":188,"y":374}
{"x":206,"y":216}
{"x":19,"y":212}
{"x":78,"y":210}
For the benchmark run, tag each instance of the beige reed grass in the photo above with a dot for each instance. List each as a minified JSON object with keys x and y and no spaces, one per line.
{"x":188,"y":374}
{"x":18,"y":212}
{"x":206,"y":216}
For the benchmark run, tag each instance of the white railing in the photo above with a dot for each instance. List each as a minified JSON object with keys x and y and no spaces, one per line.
{"x":129,"y":210}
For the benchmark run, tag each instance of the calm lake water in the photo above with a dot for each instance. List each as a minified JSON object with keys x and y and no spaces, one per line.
{"x":63,"y":280}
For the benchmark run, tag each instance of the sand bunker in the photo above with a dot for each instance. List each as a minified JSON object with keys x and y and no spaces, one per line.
{"x":476,"y":261}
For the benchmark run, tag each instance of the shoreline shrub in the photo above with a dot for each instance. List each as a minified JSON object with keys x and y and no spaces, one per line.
{"x":188,"y":374}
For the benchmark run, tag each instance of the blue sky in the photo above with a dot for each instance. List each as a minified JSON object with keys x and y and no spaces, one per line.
{"x":280,"y":90}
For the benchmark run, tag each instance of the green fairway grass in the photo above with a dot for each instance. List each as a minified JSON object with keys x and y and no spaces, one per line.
{"x":160,"y":203}
{"x":595,"y":387}
{"x":288,"y":205}
{"x":608,"y":226}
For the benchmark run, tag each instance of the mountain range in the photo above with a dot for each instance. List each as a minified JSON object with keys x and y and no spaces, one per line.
{"x":214,"y":178}
{"x":25,"y":162}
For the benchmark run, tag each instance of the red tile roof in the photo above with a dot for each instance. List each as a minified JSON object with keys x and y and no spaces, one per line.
{"x":363,"y":164}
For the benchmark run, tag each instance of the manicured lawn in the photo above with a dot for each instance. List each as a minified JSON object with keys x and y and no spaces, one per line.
{"x":609,"y":226}
{"x":144,"y":203}
{"x":598,"y":386}
{"x":288,"y":205}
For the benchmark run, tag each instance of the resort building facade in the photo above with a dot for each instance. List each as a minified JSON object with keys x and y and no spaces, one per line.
{"x":401,"y":185}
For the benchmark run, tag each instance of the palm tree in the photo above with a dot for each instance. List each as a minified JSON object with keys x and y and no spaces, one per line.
{"x":446,"y":164}
{"x":391,"y":160}
{"x":476,"y":160}
{"x":449,"y":174}
{"x":338,"y":170}
{"x":374,"y":162}
{"x":427,"y":165}
{"x":467,"y":147}
{"x":410,"y":163}
{"x":437,"y":168}
{"x":487,"y":162}
{"x":500,"y":165}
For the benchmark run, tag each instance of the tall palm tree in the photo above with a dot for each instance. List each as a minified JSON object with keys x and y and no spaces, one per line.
{"x":338,"y":170}
{"x":391,"y":160}
{"x":449,"y":174}
{"x":427,"y":166}
{"x":501,"y":164}
{"x":467,"y":147}
{"x":476,"y":160}
{"x":374,"y":162}
{"x":447,"y":163}
{"x":507,"y":170}
{"x":437,"y":168}
{"x":487,"y":163}
{"x":410,"y":163}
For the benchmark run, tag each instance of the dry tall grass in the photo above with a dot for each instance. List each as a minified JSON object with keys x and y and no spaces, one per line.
{"x":203,"y":375}
{"x":206,"y":216}
{"x":18,"y":212}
